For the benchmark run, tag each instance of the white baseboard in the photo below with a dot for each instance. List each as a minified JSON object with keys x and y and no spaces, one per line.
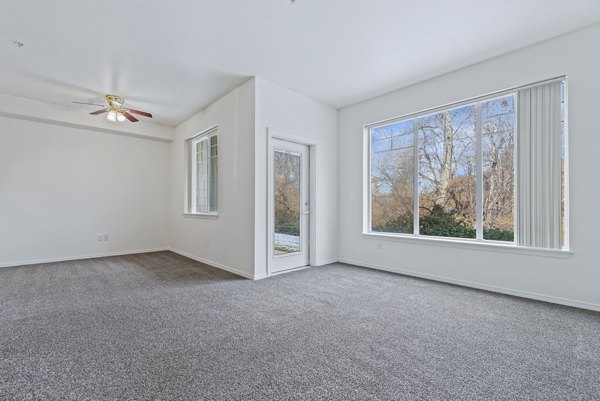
{"x":215,"y":264}
{"x":80,"y":257}
{"x":517,"y":293}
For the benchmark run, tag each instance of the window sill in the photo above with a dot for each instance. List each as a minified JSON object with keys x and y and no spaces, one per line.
{"x":201,"y":215}
{"x":491,"y":246}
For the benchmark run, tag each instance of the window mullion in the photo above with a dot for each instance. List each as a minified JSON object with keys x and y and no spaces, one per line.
{"x":479,"y":172}
{"x":416,"y":177}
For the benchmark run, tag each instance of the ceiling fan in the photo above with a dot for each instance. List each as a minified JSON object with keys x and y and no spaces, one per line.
{"x":116,"y":111}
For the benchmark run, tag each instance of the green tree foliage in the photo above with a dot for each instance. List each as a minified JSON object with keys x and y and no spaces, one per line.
{"x":441,"y":223}
{"x":402,"y":224}
{"x":288,"y":226}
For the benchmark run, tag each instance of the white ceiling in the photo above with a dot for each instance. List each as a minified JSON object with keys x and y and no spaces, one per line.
{"x":173,"y":58}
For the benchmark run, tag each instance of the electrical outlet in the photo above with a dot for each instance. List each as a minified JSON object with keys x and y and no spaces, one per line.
{"x":105,"y":237}
{"x":379,"y":245}
{"x":99,"y":237}
{"x":352,"y":197}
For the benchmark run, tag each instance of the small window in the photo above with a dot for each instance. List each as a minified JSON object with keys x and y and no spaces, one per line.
{"x":203,"y":173}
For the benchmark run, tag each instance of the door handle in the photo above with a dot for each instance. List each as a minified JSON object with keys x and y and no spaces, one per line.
{"x":307,"y":212}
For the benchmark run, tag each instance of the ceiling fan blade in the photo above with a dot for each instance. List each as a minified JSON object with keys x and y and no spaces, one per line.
{"x":141,"y":113}
{"x":94,"y":113}
{"x":90,"y":104}
{"x":130,"y":117}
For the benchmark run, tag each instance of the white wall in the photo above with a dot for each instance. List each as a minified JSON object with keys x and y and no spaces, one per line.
{"x":61,"y":186}
{"x":225,"y":241}
{"x":284,"y":110}
{"x":571,"y":281}
{"x":236,"y":240}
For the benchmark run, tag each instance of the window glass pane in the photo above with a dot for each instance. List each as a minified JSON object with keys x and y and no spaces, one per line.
{"x":498,"y":169}
{"x":205,"y":175}
{"x":447,"y":168}
{"x":286,"y":171}
{"x":214,"y":166}
{"x":202,"y":176}
{"x":392,"y":165}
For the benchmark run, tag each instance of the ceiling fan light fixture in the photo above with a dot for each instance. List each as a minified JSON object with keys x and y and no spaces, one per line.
{"x":115,"y":116}
{"x":112,"y":116}
{"x":116,"y":113}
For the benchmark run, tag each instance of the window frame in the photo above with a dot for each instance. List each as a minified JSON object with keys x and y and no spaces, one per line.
{"x":191,"y":182}
{"x":477,"y":242}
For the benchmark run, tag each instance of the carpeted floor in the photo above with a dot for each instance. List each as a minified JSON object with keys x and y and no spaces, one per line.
{"x":162,"y":327}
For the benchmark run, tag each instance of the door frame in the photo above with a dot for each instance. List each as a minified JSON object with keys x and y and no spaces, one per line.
{"x":312,"y":168}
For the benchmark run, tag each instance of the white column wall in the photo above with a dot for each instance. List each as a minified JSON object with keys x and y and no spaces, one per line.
{"x":225,"y":241}
{"x":281,"y":109}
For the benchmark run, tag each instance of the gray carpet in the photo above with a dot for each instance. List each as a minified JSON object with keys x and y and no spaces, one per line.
{"x":162,"y":327}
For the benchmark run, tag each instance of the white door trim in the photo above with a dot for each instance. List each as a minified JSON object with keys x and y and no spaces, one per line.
{"x":312,"y":145}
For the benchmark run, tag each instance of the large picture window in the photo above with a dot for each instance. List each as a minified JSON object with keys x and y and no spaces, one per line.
{"x":203,"y":173}
{"x":453,"y":172}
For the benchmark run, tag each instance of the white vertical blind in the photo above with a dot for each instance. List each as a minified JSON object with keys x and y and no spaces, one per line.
{"x":539,"y":166}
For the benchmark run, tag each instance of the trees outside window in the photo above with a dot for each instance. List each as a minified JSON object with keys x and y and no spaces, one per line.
{"x":392,"y":178}
{"x":447,"y":168}
{"x":454,"y":148}
{"x":498,"y":123}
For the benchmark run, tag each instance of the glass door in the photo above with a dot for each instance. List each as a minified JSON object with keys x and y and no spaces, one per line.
{"x":291,"y":209}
